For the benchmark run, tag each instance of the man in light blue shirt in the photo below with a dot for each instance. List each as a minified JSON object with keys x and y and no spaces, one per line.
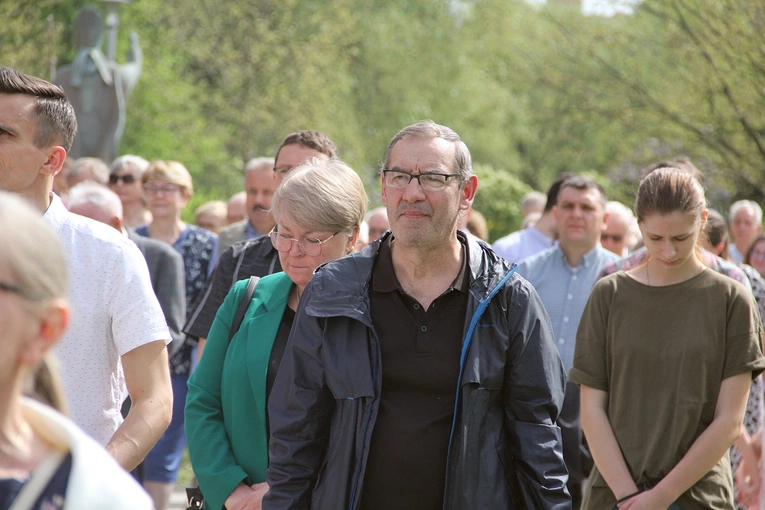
{"x":564,"y":276}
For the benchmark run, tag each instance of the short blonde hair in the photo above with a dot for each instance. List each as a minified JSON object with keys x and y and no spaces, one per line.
{"x":31,"y":252}
{"x":213,"y":207}
{"x":321,"y":196}
{"x":169,"y":171}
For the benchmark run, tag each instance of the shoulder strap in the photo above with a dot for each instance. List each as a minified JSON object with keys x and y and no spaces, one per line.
{"x":244,"y":304}
{"x":34,"y":488}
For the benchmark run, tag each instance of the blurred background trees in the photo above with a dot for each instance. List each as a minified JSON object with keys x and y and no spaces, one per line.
{"x":533,"y":91}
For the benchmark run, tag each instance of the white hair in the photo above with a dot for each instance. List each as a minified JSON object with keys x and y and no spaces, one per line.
{"x":741,"y":204}
{"x":129,"y":159}
{"x":89,"y":192}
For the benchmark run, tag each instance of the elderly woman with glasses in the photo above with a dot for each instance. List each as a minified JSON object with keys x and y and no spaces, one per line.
{"x":46,"y":461}
{"x":318,"y":209}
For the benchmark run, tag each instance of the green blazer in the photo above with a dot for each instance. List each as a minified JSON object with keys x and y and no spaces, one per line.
{"x":226,"y":402}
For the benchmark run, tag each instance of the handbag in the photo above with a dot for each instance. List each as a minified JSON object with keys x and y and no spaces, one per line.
{"x":194,"y":495}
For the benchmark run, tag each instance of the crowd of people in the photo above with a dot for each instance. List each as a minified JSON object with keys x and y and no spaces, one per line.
{"x":311,"y":354}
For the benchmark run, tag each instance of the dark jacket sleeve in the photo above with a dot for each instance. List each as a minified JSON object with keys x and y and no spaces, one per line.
{"x":219,"y":284}
{"x":299,"y":409}
{"x":171,"y":290}
{"x":534,"y":387}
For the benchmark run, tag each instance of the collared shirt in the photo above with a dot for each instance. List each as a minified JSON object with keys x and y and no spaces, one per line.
{"x":521,"y":244}
{"x":735,"y":255}
{"x":114,"y":310}
{"x":420,"y":357}
{"x":564,"y":290}
{"x":251,"y":232}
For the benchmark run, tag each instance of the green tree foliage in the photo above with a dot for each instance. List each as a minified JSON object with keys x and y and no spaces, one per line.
{"x":532,"y":92}
{"x":499,"y":200}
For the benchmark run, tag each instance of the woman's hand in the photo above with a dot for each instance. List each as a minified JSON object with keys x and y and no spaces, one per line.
{"x":748,"y":481}
{"x":246,"y":497}
{"x":648,"y":500}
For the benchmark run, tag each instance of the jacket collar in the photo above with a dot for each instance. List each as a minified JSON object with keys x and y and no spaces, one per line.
{"x":341,"y":287}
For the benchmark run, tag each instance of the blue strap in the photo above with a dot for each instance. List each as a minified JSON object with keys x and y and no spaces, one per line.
{"x":466,"y":346}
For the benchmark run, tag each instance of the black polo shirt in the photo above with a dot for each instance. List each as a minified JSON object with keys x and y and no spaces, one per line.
{"x":420,"y":367}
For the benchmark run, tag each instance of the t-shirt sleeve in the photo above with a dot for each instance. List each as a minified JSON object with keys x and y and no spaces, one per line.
{"x":137,"y":318}
{"x":590,"y":363}
{"x":743,"y":349}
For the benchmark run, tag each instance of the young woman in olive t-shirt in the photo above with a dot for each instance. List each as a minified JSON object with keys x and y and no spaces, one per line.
{"x":664,"y":356}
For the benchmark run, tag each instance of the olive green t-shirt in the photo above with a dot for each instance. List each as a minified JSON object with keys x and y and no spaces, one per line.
{"x":661,"y":353}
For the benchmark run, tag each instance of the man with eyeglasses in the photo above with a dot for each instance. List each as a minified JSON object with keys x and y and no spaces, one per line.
{"x":254,"y":257}
{"x":118,"y":334}
{"x":421,"y":372}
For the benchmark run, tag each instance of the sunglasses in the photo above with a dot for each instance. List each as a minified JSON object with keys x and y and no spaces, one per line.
{"x":127,"y":178}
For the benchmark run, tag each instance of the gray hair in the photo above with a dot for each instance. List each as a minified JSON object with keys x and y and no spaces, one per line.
{"x":428,"y":129}
{"x":129,"y":160}
{"x":259,"y":164}
{"x":89,"y":192}
{"x":95,"y":165}
{"x":615,"y":208}
{"x":321,"y":196}
{"x":741,"y":204}
{"x":31,"y":252}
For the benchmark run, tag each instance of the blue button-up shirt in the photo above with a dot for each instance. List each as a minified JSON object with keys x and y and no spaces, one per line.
{"x":564,"y":290}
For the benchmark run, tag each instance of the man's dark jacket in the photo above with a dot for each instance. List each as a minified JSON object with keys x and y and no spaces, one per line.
{"x":505,"y":451}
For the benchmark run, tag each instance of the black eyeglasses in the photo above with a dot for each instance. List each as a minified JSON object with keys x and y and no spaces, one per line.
{"x":11,"y":288}
{"x":127,"y":178}
{"x":429,"y":181}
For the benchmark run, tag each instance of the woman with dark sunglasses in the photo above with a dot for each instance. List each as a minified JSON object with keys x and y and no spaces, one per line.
{"x":125,"y":180}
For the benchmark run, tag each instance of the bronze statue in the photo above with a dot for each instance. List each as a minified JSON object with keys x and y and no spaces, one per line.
{"x":98,"y":88}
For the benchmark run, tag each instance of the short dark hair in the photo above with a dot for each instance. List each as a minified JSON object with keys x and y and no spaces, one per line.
{"x":716,"y":231}
{"x":552,"y":193}
{"x":582,"y":183}
{"x":57,"y":122}
{"x":315,"y":140}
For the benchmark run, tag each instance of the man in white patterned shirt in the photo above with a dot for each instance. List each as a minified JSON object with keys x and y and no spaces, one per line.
{"x":118,"y":334}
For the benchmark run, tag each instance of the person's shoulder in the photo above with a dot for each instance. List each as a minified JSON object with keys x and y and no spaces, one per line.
{"x":201,"y":234}
{"x":78,"y":229}
{"x":508,"y":240}
{"x":539,"y":259}
{"x":233,"y":230}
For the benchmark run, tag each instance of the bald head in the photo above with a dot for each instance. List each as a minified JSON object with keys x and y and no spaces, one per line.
{"x":96,"y":202}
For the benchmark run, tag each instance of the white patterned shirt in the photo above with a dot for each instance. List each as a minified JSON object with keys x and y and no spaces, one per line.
{"x":114,"y":310}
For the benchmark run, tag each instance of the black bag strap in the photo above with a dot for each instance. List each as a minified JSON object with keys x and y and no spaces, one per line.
{"x":244,"y":304}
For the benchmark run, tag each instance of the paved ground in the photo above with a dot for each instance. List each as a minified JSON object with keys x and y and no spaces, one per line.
{"x":178,"y":499}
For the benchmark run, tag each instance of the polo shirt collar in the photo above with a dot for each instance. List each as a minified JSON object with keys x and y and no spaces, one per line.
{"x":384,"y":277}
{"x":587,"y":259}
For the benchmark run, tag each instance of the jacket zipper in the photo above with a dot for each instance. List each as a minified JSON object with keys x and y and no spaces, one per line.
{"x":366,"y":428}
{"x":465,"y":346}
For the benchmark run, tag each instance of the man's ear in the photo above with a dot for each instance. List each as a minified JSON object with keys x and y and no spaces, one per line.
{"x":384,"y":196}
{"x":55,"y":161}
{"x":606,"y":218}
{"x":468,"y":192}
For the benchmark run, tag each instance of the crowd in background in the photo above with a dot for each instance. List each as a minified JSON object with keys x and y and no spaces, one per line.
{"x":281,"y":302}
